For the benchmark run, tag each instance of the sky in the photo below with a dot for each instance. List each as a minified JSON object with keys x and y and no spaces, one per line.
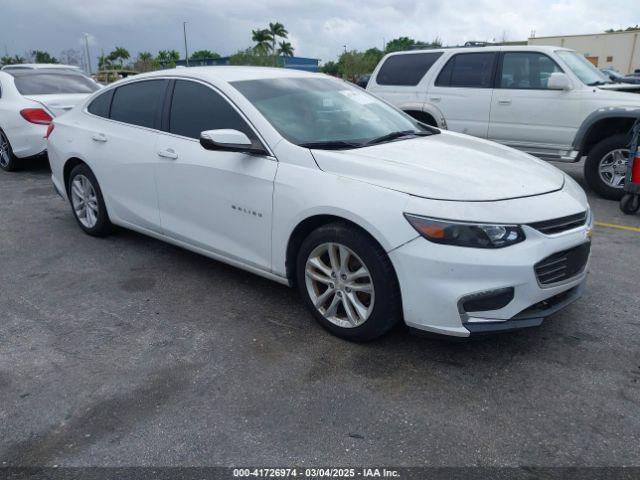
{"x":317,"y":29}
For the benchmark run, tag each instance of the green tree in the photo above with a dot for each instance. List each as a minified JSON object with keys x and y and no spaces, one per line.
{"x":203,"y":55}
{"x":145,"y":62}
{"x":40,"y":56}
{"x":251,"y":57}
{"x":285,"y":49}
{"x":9,"y":60}
{"x":330,"y":68}
{"x":119,"y":53}
{"x":370,"y":59}
{"x":262,"y":38}
{"x":104,"y":63}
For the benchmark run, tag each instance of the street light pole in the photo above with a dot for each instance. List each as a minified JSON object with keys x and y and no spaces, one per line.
{"x":186,"y":52}
{"x":86,"y":48}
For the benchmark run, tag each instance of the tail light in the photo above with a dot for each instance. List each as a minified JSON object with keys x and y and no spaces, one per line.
{"x":635,"y":171}
{"x":49,"y":130}
{"x":36,"y":115}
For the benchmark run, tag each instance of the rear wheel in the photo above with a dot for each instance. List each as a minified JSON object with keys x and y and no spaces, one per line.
{"x":348,"y":282}
{"x":630,"y":203}
{"x":8,"y":161}
{"x":606,"y":166}
{"x":87,"y":203}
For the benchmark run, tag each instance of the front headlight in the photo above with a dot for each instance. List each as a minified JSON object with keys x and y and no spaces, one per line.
{"x":475,"y":235}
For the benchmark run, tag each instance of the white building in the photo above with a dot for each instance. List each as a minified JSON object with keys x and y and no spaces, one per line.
{"x":618,"y":50}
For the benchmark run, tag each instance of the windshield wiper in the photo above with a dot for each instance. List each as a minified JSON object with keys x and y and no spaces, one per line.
{"x":331,"y":145}
{"x":598,"y":83}
{"x":395,"y":135}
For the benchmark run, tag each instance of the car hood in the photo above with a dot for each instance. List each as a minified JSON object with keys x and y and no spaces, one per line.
{"x":447,"y":166}
{"x":59,"y":103}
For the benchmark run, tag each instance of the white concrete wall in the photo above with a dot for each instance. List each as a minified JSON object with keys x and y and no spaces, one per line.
{"x":623,"y":47}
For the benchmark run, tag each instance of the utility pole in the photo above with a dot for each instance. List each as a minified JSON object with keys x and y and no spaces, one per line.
{"x":86,"y":48}
{"x":186,"y":51}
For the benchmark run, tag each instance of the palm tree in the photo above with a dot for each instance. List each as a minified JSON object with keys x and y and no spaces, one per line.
{"x":262,"y":37}
{"x":174,"y":56}
{"x":119,"y":53}
{"x":285,"y":49}
{"x":276,"y":29}
{"x":145,"y":57}
{"x":104,"y":62}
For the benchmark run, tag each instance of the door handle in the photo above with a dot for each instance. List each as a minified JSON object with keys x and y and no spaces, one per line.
{"x":99,"y":137}
{"x":168,"y":153}
{"x":435,"y":99}
{"x":504,"y":101}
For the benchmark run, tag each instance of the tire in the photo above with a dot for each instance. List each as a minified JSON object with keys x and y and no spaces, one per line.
{"x":601,"y":152}
{"x":84,"y":190}
{"x":373,"y":298}
{"x":630,"y":203}
{"x":8,"y":161}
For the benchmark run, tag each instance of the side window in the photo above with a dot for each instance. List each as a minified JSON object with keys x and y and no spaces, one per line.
{"x":407,"y":69}
{"x":196,"y":108}
{"x":526,"y":70}
{"x":468,"y":70}
{"x":139,"y":103}
{"x":101,"y":104}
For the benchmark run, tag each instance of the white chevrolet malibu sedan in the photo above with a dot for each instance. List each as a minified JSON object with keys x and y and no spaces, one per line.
{"x":312,"y":182}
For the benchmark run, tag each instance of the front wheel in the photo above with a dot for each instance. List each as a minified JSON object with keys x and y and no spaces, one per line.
{"x":8,"y":161}
{"x":87,"y":203}
{"x":347,"y":281}
{"x":630,"y":203}
{"x":606,"y":166}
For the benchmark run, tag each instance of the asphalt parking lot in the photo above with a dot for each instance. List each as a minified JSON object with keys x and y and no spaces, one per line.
{"x":128,"y":351}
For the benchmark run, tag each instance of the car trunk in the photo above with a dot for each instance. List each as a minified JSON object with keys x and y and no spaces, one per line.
{"x":58,"y":103}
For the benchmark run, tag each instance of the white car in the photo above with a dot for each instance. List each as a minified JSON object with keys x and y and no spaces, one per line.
{"x":310,"y":181}
{"x":537,"y":99}
{"x":29,"y":100}
{"x":37,"y":66}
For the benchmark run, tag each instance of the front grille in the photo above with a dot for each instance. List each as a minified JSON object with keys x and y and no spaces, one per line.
{"x":558,"y":225}
{"x":562,"y":265}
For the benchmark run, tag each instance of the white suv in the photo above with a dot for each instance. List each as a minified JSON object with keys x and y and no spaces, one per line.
{"x":536,"y":99}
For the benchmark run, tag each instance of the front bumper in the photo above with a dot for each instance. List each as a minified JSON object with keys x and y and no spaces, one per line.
{"x":434,"y":279}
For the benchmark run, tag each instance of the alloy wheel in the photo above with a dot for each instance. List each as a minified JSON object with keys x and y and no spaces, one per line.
{"x":5,"y":157}
{"x":613,"y":167}
{"x":84,"y":201}
{"x":339,"y":285}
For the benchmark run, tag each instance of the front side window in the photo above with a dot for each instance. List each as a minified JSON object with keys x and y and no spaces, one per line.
{"x":34,"y":82}
{"x":196,"y":108}
{"x":583,"y":68}
{"x":325,"y":111}
{"x":530,"y":70}
{"x":139,"y":103}
{"x":406,"y":69}
{"x":468,"y":70}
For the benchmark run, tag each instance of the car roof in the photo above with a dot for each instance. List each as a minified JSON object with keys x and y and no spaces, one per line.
{"x":38,"y":66}
{"x":24,"y":72}
{"x":227,"y":73}
{"x":488,"y":48}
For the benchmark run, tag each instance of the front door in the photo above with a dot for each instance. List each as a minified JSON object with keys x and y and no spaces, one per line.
{"x":214,"y":200}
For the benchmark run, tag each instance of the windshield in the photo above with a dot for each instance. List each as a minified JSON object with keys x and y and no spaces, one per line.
{"x":583,"y":68}
{"x":35,"y":82}
{"x":324,"y":112}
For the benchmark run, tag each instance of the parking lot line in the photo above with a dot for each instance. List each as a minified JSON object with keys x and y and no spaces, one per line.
{"x":619,"y":227}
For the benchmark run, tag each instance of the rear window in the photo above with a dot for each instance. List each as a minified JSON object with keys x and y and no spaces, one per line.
{"x":31,"y":82}
{"x":406,"y":70}
{"x":468,"y":70}
{"x":139,"y":103}
{"x":100,"y":106}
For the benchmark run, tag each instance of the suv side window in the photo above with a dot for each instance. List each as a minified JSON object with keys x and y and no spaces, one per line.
{"x":468,"y":70}
{"x":407,"y":69}
{"x":526,"y":70}
{"x":139,"y":103}
{"x":196,"y":108}
{"x":101,"y":105}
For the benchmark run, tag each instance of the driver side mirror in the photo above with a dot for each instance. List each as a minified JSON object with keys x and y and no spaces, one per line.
{"x":558,"y":81}
{"x":227,"y":140}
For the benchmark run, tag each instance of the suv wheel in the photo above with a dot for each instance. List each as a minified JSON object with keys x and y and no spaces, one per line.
{"x":87,"y":203}
{"x":606,"y":166}
{"x":8,"y":161}
{"x":348,"y":282}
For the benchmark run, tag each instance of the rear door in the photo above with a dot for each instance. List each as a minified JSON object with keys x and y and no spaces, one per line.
{"x":123,"y":151}
{"x":525,"y":114}
{"x":462,"y":92}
